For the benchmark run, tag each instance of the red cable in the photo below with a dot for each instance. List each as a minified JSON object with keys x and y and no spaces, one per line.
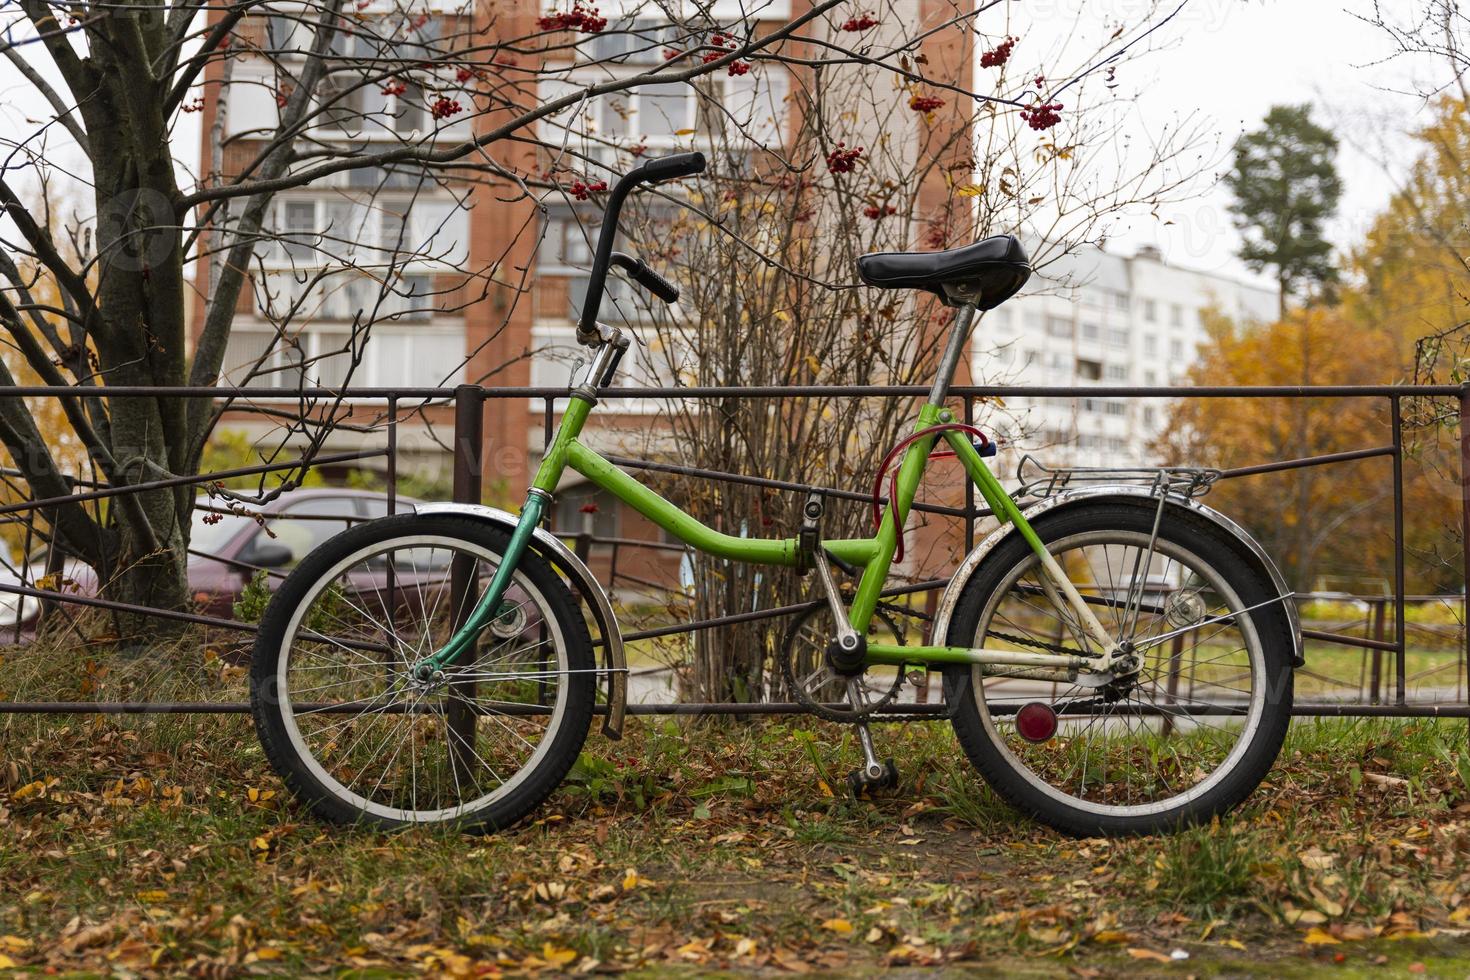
{"x":893,"y":484}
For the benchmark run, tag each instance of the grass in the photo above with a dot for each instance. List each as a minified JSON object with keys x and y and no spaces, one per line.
{"x":165,"y":844}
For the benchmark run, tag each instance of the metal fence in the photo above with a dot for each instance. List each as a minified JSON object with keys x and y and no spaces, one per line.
{"x":1383,"y":687}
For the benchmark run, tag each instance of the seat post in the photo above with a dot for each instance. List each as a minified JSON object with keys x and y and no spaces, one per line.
{"x":953,"y":351}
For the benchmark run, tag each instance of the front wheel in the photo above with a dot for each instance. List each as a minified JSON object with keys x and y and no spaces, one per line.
{"x":1185,"y":736}
{"x":359,"y":736}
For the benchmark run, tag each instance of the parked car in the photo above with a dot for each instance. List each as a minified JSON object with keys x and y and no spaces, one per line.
{"x":224,"y":547}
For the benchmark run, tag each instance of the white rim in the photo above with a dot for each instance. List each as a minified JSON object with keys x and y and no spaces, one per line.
{"x":1253,"y":646}
{"x":331,"y":783}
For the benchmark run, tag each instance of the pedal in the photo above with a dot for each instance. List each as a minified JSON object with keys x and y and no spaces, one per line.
{"x":873,"y":775}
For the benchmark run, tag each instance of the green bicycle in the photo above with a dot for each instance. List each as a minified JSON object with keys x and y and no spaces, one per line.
{"x":1117,"y":657}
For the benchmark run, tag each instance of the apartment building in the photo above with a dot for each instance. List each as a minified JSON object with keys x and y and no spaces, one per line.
{"x":516,"y":328}
{"x":1099,"y":318}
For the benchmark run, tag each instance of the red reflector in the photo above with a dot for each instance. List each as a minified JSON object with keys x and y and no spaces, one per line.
{"x":1036,"y":722}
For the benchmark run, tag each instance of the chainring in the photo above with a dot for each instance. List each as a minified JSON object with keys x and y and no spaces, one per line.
{"x":808,"y":635}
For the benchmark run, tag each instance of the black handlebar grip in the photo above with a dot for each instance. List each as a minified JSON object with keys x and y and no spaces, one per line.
{"x":656,"y":284}
{"x":640,"y":273}
{"x":672,"y":167}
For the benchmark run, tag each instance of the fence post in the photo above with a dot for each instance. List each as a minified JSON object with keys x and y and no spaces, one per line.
{"x":469,"y":442}
{"x":1465,"y":517}
{"x":1380,"y":607}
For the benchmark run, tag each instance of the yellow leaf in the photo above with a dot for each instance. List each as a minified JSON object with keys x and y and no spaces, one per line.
{"x":152,"y":897}
{"x":631,"y":880}
{"x":557,"y":957}
{"x":1320,"y":937}
{"x":1147,"y":954}
{"x":268,"y":953}
{"x":6,"y":963}
{"x":1233,"y":943}
{"x":15,"y":944}
{"x":969,"y":190}
{"x":684,"y":132}
{"x":841,"y":926}
{"x":29,"y":789}
{"x":1112,"y":937}
{"x":1459,"y":916}
{"x":826,"y":790}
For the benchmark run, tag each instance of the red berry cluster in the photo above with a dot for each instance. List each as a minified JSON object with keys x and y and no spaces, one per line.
{"x":213,"y":517}
{"x":739,"y":67}
{"x":925,"y":103}
{"x":282,"y":98}
{"x":861,"y":23}
{"x":394,"y":87}
{"x":875,"y":211}
{"x":583,"y":191}
{"x":999,"y":56}
{"x":466,"y":73}
{"x":444,"y":107}
{"x":1043,"y":115}
{"x":589,"y":508}
{"x":671,"y":53}
{"x":712,"y":56}
{"x":196,"y":106}
{"x":842,"y":160}
{"x":579,"y":18}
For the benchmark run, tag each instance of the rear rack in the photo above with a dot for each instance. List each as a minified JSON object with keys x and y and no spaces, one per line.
{"x":1036,"y":479}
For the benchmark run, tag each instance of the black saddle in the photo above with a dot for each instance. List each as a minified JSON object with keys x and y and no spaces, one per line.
{"x":986,"y":273}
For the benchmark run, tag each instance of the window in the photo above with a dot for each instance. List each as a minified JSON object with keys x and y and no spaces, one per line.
{"x":1176,"y":315}
{"x":1150,"y":345}
{"x":1117,"y":337}
{"x":1117,"y":372}
{"x":1057,"y":326}
{"x":1091,"y":331}
{"x":1151,"y":378}
{"x":334,"y":228}
{"x":1150,"y":311}
{"x":394,"y":355}
{"x":1089,"y":370}
{"x":1149,"y":415}
{"x":1176,"y":349}
{"x":1120,"y":300}
{"x":633,"y":42}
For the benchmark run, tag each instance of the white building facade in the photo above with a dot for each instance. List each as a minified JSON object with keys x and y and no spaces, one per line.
{"x":1096,"y":318}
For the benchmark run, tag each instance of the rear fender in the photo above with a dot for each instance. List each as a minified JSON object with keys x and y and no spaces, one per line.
{"x":1138,"y":496}
{"x":564,"y":560}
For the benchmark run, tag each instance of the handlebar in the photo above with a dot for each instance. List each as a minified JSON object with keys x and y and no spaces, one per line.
{"x":639,"y":272}
{"x":652,"y":171}
{"x":668,"y":168}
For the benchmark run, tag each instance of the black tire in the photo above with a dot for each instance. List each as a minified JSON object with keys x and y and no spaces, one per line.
{"x":275,"y":719}
{"x":1256,"y":751}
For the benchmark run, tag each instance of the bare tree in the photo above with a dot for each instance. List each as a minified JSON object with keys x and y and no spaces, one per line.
{"x":850,"y":158}
{"x":369,"y":96}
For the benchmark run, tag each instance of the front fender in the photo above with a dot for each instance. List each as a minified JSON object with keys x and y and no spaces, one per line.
{"x":551,"y":548}
{"x":1137,"y":495}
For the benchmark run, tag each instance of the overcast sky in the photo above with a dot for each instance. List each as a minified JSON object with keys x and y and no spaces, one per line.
{"x":1231,"y":60}
{"x":1226,"y":60}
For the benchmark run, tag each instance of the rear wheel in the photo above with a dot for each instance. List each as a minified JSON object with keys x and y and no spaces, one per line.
{"x":1186,"y":736}
{"x":360,"y":737}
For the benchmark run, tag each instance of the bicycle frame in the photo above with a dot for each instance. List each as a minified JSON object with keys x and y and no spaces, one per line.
{"x":874,"y":555}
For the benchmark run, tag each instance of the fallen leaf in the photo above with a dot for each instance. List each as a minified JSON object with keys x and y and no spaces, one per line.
{"x":841,"y":926}
{"x":1320,"y":937}
{"x":1148,"y":954}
